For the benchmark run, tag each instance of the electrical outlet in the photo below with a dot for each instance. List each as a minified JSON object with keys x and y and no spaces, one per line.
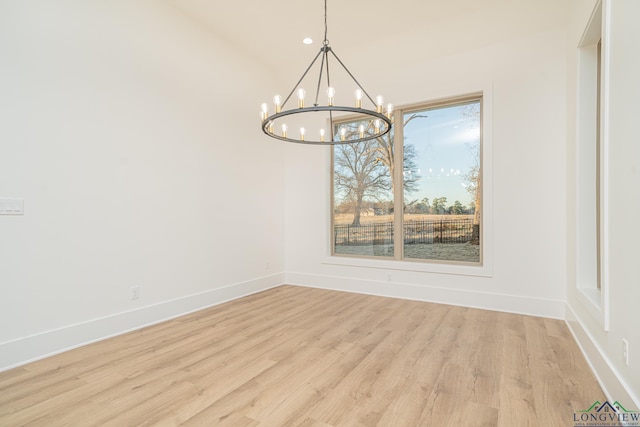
{"x":135,"y":292}
{"x":625,"y":351}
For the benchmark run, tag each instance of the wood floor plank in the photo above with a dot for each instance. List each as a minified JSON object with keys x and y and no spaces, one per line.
{"x":294,"y":356}
{"x":516,"y":387}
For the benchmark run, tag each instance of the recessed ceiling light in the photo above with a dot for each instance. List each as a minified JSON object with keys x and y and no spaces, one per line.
{"x":307,"y":40}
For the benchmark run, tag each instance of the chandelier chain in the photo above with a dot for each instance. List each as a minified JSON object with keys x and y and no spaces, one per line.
{"x":325,"y":42}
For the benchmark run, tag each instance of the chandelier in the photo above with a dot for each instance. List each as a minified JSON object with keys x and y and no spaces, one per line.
{"x":372,"y":123}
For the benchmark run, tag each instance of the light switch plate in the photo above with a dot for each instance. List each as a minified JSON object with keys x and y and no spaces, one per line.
{"x":11,"y":207}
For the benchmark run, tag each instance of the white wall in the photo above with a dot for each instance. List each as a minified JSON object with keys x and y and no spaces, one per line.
{"x":525,"y":82}
{"x":622,"y":67}
{"x":131,"y":134}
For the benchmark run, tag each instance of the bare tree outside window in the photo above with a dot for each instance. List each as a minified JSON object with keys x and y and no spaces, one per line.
{"x":363,"y":195}
{"x":360,"y":177}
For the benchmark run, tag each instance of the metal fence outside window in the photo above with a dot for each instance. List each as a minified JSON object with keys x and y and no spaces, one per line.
{"x":458,"y":230}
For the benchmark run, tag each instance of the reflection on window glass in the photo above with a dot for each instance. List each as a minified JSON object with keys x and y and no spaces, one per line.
{"x":442,"y":183}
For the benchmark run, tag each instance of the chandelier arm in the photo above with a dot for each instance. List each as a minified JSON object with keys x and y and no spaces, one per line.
{"x":352,"y":76}
{"x":328,"y":49}
{"x":324,"y":57}
{"x":301,"y":78}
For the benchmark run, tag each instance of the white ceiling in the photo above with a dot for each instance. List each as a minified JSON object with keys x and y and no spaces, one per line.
{"x":272,"y":31}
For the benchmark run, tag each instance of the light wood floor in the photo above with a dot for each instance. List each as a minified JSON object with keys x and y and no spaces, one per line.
{"x":294,"y":356}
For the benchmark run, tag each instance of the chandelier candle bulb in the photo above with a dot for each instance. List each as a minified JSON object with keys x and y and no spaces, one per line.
{"x":284,"y":131}
{"x":265,"y":111}
{"x":331,"y":93}
{"x":343,"y":133}
{"x":361,"y":131}
{"x":301,"y":94}
{"x":379,"y":102}
{"x":358,"y":98}
{"x":376,"y":126}
{"x":277,"y":100}
{"x":389,"y":110}
{"x":321,"y":135}
{"x":270,"y":127}
{"x":301,"y":134}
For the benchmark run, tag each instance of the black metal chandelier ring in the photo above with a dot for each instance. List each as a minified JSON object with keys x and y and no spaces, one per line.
{"x":270,"y":123}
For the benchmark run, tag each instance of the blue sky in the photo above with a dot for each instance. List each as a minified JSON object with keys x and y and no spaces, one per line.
{"x":446,"y":143}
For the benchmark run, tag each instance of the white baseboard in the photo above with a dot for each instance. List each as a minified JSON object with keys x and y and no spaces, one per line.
{"x":612,"y":383}
{"x":549,"y":308}
{"x":34,"y":347}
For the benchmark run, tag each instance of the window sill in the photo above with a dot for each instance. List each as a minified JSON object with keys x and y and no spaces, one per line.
{"x":416,"y":266}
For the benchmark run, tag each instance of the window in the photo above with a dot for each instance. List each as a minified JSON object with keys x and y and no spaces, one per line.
{"x":416,"y":193}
